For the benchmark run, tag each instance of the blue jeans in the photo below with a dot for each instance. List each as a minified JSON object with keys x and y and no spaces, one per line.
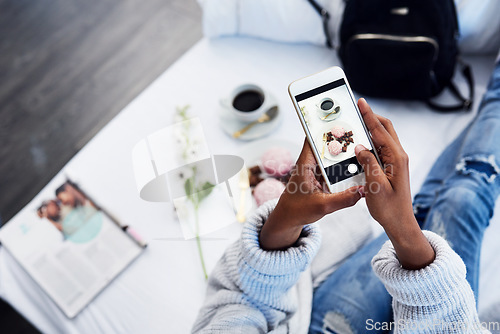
{"x":456,"y":201}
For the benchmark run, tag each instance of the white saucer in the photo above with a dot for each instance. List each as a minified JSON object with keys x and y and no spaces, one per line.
{"x":230,"y":124}
{"x":321,"y":114}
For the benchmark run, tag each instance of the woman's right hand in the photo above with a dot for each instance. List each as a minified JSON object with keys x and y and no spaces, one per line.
{"x":387,"y":191}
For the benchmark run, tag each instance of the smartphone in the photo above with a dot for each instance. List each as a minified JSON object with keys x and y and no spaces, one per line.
{"x":333,"y":125}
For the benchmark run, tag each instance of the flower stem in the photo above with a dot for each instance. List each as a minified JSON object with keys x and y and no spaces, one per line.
{"x":198,"y":242}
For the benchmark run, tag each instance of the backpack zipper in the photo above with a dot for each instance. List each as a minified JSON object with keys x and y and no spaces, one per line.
{"x":398,"y":38}
{"x":410,"y":39}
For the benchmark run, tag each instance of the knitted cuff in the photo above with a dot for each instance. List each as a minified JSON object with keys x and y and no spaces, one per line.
{"x":294,"y":259}
{"x":441,"y":280}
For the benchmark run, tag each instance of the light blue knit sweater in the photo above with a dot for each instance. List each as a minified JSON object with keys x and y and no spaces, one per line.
{"x":256,"y":291}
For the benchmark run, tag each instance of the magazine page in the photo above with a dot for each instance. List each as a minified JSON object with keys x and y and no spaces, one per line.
{"x":69,"y":245}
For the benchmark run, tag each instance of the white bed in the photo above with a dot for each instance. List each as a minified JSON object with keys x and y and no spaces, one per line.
{"x":162,"y":291}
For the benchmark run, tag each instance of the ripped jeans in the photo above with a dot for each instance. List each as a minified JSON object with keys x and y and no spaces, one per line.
{"x":456,"y":201}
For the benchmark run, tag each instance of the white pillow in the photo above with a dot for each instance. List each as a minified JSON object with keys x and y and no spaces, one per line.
{"x":278,"y":20}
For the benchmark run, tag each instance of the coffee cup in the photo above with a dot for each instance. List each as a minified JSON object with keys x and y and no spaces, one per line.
{"x":327,"y":106}
{"x":246,"y":102}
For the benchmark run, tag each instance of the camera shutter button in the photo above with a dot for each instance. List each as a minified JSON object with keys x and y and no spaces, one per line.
{"x":352,"y":168}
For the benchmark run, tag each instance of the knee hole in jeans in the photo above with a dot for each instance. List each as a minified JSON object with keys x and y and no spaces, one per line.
{"x":334,"y":322}
{"x":482,"y":165}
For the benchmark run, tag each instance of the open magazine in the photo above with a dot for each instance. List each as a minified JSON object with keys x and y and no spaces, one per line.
{"x":71,"y":246}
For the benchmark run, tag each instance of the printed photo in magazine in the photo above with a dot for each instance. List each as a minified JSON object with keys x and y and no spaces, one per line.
{"x":70,"y":245}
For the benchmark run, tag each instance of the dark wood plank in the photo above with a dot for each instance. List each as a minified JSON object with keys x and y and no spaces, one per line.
{"x":67,"y":67}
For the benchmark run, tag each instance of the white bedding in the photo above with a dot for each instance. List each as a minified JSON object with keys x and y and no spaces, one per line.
{"x":163,"y":289}
{"x":296,"y":21}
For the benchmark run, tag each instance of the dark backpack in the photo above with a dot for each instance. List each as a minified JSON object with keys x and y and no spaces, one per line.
{"x":403,"y":49}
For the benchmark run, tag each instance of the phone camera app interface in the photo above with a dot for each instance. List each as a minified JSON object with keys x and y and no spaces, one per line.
{"x":335,"y":127}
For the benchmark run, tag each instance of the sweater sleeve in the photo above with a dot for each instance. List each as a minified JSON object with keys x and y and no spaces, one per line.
{"x":434,"y":299}
{"x":251,"y":289}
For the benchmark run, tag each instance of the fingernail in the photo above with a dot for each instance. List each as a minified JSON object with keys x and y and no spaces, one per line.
{"x":359,"y":148}
{"x":361,"y":191}
{"x":364,"y":100}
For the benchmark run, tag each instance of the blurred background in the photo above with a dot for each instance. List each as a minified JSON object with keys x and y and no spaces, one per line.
{"x":68,"y":67}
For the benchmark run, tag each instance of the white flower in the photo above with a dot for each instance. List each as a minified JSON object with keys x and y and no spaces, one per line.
{"x":192,"y":153}
{"x":179,"y":134}
{"x":185,"y":172}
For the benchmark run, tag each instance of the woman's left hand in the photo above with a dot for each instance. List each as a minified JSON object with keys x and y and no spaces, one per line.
{"x":303,"y":202}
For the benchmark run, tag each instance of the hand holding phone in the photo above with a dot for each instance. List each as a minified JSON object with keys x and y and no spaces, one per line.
{"x":303,"y":202}
{"x":387,"y":191}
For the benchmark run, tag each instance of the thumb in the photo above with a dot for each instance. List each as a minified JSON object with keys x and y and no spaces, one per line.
{"x":341,"y":200}
{"x":306,"y":156}
{"x":373,"y":171}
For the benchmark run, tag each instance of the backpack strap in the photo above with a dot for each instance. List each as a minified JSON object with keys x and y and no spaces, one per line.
{"x":325,"y":17}
{"x":465,"y":104}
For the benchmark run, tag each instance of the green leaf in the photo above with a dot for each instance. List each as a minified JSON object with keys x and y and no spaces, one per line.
{"x":207,"y":185}
{"x":188,"y":188}
{"x":205,"y":190}
{"x":182,"y":111}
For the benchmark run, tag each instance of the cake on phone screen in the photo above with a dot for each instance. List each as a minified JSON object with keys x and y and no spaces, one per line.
{"x":335,"y":127}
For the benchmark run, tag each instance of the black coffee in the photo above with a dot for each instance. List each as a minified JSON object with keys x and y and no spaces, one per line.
{"x":326,"y":105}
{"x":248,"y":100}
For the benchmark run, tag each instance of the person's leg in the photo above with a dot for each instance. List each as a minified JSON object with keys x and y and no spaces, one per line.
{"x":352,"y":298}
{"x":446,"y":163}
{"x":464,"y":203}
{"x":462,"y":188}
{"x":443,"y":167}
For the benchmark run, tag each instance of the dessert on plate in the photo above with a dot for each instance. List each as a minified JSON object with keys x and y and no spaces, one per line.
{"x":267,"y":190}
{"x":277,"y":161}
{"x":334,"y":147}
{"x":268,"y":178}
{"x":338,"y":139}
{"x":337,"y":131}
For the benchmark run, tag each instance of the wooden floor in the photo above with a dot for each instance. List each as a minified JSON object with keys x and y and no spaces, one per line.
{"x":67,"y":67}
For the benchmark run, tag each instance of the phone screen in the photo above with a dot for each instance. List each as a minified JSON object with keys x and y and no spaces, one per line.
{"x":335,"y":128}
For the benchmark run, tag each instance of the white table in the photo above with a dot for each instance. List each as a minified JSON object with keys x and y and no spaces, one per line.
{"x":163,"y":290}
